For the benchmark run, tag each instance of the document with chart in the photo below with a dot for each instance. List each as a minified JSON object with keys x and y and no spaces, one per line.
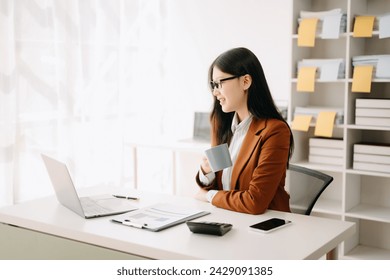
{"x":159,"y":216}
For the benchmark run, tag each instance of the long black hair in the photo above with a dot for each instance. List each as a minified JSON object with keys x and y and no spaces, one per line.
{"x":239,"y":62}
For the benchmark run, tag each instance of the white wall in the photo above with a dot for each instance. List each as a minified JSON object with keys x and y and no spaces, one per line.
{"x":199,"y":30}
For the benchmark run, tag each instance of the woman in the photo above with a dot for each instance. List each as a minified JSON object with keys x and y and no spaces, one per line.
{"x":260,"y":141}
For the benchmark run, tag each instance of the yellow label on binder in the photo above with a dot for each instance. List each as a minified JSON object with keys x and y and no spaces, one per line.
{"x":301,"y":122}
{"x":362,"y":75}
{"x":325,"y":124}
{"x":306,"y":79}
{"x":307,"y":32}
{"x":363,"y":26}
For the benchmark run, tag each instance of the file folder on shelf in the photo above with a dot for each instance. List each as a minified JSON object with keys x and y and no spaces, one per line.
{"x":327,"y":69}
{"x":330,"y":23}
{"x":315,"y":110}
{"x":380,"y":63}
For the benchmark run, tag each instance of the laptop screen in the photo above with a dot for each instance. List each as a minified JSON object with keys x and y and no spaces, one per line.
{"x":202,"y":126}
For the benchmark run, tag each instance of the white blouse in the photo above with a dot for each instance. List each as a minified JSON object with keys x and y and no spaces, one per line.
{"x":239,"y":132}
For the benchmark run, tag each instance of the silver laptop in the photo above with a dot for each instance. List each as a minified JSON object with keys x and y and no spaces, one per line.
{"x":87,"y":207}
{"x":201,"y":128}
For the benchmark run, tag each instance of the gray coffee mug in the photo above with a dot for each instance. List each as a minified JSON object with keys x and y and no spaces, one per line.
{"x":219,"y":157}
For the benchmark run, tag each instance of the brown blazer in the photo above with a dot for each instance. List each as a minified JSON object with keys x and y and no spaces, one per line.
{"x":258,"y":175}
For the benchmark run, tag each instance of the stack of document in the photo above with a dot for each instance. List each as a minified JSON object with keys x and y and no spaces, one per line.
{"x":330,"y":23}
{"x":327,"y":69}
{"x":159,"y":216}
{"x":314,"y":111}
{"x":374,"y":112}
{"x":381,"y":64}
{"x":371,"y":157}
{"x":326,"y":151}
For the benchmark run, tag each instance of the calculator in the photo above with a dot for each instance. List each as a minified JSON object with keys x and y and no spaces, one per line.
{"x":213,"y":228}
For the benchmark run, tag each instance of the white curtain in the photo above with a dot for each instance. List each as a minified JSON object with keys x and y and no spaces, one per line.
{"x":75,"y":77}
{"x":80,"y":79}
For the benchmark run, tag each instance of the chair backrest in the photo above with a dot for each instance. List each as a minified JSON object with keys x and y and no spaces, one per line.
{"x":305,"y":186}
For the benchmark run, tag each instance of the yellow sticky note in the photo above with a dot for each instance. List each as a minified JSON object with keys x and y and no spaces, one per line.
{"x":301,"y":122}
{"x":307,"y":32}
{"x":325,"y":124}
{"x":362,"y":75}
{"x":306,"y":79}
{"x":363,"y":26}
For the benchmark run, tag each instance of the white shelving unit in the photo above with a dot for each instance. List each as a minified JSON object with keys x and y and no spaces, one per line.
{"x":359,"y":196}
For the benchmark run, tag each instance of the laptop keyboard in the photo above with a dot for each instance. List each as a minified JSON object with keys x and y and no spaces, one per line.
{"x":91,"y":207}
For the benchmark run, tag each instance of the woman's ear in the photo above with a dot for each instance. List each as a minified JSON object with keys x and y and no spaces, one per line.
{"x":247,"y":81}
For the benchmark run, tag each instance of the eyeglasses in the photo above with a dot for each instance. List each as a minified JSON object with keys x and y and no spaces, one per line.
{"x":218,"y":85}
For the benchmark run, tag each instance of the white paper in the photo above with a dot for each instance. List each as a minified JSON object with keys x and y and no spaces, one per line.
{"x":384,"y":26}
{"x":333,"y":68}
{"x":158,"y":216}
{"x":321,"y":14}
{"x":331,"y":27}
{"x":383,"y":67}
{"x":330,"y":71}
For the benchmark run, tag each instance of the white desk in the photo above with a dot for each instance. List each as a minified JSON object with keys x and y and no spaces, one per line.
{"x":44,"y":229}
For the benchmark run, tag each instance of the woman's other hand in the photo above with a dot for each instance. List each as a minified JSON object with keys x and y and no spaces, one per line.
{"x":201,"y":195}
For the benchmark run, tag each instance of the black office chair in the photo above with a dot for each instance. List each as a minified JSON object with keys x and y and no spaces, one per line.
{"x":305,"y":186}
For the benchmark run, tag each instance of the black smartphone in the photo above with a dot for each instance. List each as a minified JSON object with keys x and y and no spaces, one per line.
{"x":269,"y":225}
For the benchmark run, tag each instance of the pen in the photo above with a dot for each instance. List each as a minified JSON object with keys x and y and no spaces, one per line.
{"x":125,"y":197}
{"x":132,"y":224}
